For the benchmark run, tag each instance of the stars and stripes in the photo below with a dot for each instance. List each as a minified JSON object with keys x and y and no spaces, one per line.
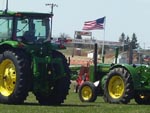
{"x":93,"y":25}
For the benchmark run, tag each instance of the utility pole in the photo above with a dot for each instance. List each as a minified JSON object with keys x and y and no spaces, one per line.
{"x":52,"y":6}
{"x":6,"y":6}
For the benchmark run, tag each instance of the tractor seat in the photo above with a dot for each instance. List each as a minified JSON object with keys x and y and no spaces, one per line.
{"x":29,"y":36}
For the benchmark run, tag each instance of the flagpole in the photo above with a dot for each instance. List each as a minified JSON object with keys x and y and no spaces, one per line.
{"x":103,"y":46}
{"x":97,"y":24}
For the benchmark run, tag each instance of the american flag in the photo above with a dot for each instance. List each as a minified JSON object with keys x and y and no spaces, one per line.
{"x":96,"y":24}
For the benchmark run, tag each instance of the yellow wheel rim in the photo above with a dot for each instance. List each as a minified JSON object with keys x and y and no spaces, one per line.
{"x":116,"y":87}
{"x":7,"y":77}
{"x":86,"y":93}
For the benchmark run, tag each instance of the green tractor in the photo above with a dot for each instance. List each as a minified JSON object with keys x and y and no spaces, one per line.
{"x":125,"y":82}
{"x":29,"y":61}
{"x":117,"y":83}
{"x":91,"y":79}
{"x":128,"y":81}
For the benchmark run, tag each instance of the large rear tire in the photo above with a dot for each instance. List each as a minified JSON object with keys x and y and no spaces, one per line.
{"x":14,"y":77}
{"x":118,"y":87}
{"x":61,"y":86}
{"x":87,"y":92}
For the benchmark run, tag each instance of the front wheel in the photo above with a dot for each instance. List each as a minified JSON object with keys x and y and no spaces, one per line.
{"x":87,"y":92}
{"x":14,"y":77}
{"x":118,"y":87}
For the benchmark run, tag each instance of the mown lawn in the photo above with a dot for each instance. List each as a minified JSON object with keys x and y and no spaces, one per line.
{"x":73,"y":105}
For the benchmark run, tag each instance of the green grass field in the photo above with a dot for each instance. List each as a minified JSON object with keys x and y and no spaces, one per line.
{"x":73,"y":105}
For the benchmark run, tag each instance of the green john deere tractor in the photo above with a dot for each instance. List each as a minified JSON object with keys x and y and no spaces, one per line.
{"x":91,"y":79}
{"x":128,"y":81}
{"x":125,"y":82}
{"x":29,"y":61}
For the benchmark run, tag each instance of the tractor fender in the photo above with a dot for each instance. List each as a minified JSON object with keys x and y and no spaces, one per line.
{"x":14,"y":44}
{"x":132,"y":71}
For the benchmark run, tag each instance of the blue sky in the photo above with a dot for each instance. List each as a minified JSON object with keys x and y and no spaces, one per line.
{"x":128,"y":16}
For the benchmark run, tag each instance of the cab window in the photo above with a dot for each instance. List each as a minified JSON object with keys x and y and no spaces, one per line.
{"x":5,"y":28}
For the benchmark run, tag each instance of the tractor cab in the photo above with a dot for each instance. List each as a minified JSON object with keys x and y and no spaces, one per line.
{"x":24,"y":26}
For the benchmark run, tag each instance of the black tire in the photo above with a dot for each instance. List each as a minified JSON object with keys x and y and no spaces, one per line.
{"x":118,"y":87}
{"x":15,"y":72}
{"x":61,"y":87}
{"x":141,"y":98}
{"x":87,"y":92}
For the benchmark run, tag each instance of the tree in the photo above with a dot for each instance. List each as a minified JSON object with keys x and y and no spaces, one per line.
{"x":122,"y":38}
{"x":128,"y":40}
{"x":126,"y":44}
{"x":135,"y":45}
{"x":63,"y":36}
